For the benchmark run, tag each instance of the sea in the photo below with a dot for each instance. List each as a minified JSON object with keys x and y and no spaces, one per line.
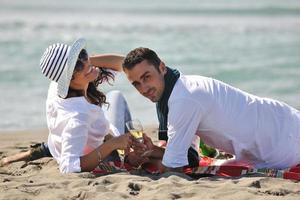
{"x":251,"y":44}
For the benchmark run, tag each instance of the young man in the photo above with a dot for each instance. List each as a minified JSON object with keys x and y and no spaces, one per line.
{"x":260,"y":131}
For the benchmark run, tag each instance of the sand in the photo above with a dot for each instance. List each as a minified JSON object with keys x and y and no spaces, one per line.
{"x":41,"y":179}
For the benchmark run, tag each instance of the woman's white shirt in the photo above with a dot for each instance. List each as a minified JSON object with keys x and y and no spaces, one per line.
{"x":76,"y":127}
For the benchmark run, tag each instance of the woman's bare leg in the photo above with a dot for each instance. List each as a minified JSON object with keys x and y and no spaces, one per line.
{"x":23,"y":156}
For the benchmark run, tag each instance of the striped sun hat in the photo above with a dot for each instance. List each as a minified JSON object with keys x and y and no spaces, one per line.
{"x":58,"y":63}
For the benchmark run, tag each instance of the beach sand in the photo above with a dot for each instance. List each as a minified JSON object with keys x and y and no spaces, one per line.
{"x":41,"y":179}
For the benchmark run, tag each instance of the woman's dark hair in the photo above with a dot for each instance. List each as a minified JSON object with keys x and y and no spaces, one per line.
{"x":140,"y":54}
{"x":94,"y":95}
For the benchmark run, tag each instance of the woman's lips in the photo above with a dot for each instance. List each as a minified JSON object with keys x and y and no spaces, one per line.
{"x":92,"y":70}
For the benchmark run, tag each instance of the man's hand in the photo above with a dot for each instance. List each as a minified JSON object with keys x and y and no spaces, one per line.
{"x":148,"y":142}
{"x":138,"y":147}
{"x":135,"y":159}
{"x":148,"y":149}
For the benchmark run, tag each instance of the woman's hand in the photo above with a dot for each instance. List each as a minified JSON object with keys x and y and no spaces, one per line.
{"x":110,"y":61}
{"x":122,"y":142}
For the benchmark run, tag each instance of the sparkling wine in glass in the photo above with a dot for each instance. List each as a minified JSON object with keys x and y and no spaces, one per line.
{"x":121,"y":153}
{"x":136,"y":129}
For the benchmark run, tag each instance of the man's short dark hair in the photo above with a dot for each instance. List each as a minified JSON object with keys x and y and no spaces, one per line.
{"x":140,"y":54}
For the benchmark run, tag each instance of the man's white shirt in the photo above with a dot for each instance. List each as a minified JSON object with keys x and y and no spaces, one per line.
{"x":261,"y":131}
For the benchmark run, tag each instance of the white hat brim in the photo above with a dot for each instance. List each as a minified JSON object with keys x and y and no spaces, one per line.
{"x":66,"y":76}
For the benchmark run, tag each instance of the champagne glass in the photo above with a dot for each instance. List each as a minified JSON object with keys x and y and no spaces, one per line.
{"x":136,"y":129}
{"x":121,"y":153}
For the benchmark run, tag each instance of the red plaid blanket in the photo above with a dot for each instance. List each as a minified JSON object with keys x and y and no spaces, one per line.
{"x":207,"y":168}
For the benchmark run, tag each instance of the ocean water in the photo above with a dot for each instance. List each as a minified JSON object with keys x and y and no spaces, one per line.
{"x":252,"y":45}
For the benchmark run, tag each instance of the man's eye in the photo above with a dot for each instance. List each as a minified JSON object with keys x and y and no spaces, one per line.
{"x":147,"y":78}
{"x":136,"y":85}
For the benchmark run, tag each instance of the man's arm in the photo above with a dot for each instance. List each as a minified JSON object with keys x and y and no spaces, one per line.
{"x":157,"y":153}
{"x":164,"y":169}
{"x":109,"y":61}
{"x":183,"y":121}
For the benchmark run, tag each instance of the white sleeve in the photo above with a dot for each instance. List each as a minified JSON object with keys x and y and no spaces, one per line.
{"x":74,"y":138}
{"x":52,"y":91}
{"x":183,"y":120}
{"x":114,"y":130}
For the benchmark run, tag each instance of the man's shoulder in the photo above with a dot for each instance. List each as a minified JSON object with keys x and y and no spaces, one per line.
{"x":193,"y":76}
{"x":190,"y":87}
{"x":195,"y":81}
{"x":192,"y":92}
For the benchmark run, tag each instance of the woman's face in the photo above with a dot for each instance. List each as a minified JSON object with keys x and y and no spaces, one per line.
{"x":86,"y":74}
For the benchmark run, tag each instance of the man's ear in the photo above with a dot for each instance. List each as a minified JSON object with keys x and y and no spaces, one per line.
{"x":162,"y":68}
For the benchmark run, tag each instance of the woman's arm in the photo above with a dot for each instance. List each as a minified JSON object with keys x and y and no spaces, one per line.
{"x":109,"y":61}
{"x":74,"y":138}
{"x":90,"y":161}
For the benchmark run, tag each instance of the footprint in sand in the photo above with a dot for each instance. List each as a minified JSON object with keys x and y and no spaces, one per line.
{"x":279,"y":192}
{"x":255,"y":184}
{"x":134,"y":188}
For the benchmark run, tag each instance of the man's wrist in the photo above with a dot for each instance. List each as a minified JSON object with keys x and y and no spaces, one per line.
{"x":157,"y":152}
{"x":163,"y":168}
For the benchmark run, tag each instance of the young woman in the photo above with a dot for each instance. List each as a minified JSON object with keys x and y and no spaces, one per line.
{"x":76,"y":121}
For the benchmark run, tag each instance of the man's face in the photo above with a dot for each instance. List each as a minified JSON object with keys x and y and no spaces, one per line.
{"x":147,"y":79}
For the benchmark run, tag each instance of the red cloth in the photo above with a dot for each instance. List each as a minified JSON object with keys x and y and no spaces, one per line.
{"x":206,"y":168}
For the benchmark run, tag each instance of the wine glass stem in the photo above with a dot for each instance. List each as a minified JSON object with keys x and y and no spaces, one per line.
{"x":122,"y":162}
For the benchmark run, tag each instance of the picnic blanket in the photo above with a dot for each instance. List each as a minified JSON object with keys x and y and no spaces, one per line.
{"x":207,"y":167}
